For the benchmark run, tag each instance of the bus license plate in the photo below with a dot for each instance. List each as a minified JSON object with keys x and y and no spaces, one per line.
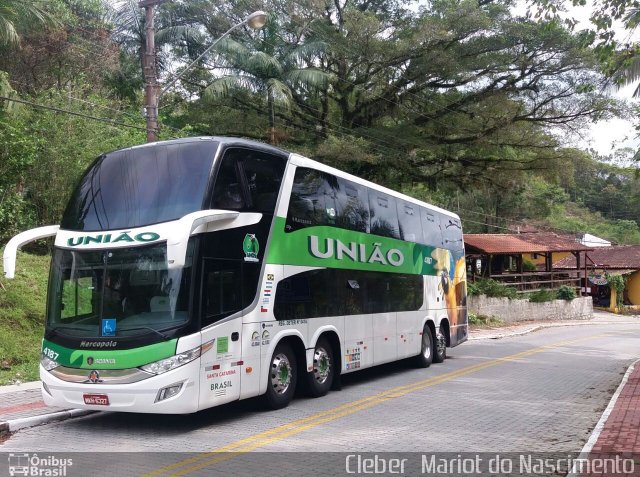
{"x":96,"y":399}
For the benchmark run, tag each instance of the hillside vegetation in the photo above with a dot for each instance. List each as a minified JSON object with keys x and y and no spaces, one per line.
{"x":22,"y":308}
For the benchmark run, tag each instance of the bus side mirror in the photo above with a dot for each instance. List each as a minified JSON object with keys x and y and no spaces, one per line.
{"x":178,"y":240}
{"x":11,"y":250}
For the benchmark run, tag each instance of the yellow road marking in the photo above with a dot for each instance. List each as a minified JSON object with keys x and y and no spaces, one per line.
{"x":255,"y":441}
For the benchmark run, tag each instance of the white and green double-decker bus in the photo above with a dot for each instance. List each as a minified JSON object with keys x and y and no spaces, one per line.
{"x":191,"y":273}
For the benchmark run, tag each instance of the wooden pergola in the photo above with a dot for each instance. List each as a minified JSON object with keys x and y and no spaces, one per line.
{"x":500,"y":257}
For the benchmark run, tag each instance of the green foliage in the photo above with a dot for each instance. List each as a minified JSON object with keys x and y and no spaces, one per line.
{"x":617,"y":282}
{"x":17,"y":16}
{"x":575,"y":218}
{"x":18,"y":153}
{"x":491,"y":288}
{"x":528,"y":266}
{"x":22,"y":308}
{"x":566,"y":292}
{"x":543,"y":295}
{"x":483,"y":320}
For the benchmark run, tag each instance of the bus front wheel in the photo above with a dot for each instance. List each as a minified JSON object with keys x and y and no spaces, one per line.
{"x":319,"y":380}
{"x":282,"y":378}
{"x":425,"y":358}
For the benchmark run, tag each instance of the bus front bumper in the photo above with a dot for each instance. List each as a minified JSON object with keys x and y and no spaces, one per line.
{"x":143,"y":396}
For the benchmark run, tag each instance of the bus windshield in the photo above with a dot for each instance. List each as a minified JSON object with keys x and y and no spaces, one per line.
{"x":141,"y":186}
{"x":117,"y":292}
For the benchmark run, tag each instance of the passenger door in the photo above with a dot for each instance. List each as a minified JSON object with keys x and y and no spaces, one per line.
{"x":221,"y":297}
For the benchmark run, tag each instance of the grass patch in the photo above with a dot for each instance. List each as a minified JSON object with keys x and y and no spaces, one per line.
{"x":479,"y":321}
{"x":22,"y":309}
{"x":491,"y":288}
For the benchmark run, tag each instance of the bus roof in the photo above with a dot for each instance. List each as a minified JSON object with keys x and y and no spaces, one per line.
{"x":300,"y":160}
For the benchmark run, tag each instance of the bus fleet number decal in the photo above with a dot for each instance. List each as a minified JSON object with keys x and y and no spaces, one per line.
{"x":49,"y":353}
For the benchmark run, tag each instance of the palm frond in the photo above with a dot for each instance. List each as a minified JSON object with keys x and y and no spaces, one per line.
{"x":263,"y":64}
{"x":173,"y":33}
{"x":8,"y":33}
{"x":307,"y":50}
{"x":309,"y":78}
{"x":279,"y":91}
{"x":629,"y":74}
{"x":232,"y":51}
{"x":227,"y":85}
{"x":19,"y":12}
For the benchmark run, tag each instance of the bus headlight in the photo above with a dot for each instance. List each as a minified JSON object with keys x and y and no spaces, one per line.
{"x":167,"y":364}
{"x":48,"y":363}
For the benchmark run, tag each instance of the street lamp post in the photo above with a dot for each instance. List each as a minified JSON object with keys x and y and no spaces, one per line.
{"x":256,"y":21}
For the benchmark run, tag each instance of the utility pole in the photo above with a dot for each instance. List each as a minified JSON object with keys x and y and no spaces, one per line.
{"x":149,"y":70}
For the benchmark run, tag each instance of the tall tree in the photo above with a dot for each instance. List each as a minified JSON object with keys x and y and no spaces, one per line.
{"x":275,"y":70}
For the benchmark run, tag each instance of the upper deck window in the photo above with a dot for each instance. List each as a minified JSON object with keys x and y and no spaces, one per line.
{"x":248,"y":180}
{"x":384,"y":215}
{"x":141,"y":186}
{"x":313,"y":199}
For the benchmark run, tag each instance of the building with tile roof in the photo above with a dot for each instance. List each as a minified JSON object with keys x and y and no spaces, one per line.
{"x":504,"y":257}
{"x":618,"y":260}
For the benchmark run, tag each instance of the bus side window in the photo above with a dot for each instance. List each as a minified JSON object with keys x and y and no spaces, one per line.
{"x":263,"y":173}
{"x":353,"y":206}
{"x":248,"y":180}
{"x":451,"y":233}
{"x":313,"y":200}
{"x":409,"y":220}
{"x":384,"y":215}
{"x":431,"y":228}
{"x":227,"y":193}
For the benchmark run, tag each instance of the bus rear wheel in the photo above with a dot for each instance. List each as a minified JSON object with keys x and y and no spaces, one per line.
{"x":319,"y":380}
{"x":425,"y":358}
{"x":282,"y":379}
{"x":440,"y":353}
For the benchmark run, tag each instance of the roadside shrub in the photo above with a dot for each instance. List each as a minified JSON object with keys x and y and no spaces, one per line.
{"x":484,"y":320}
{"x":491,"y":288}
{"x":475,"y":319}
{"x":617,"y":282}
{"x":566,"y":292}
{"x":542,"y":296}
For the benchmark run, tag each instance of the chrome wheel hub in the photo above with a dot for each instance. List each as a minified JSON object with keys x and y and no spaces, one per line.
{"x":426,"y":344}
{"x":321,"y":365}
{"x":280,"y":373}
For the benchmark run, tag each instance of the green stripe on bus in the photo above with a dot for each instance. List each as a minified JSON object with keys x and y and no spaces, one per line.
{"x":332,"y":247}
{"x":113,"y":359}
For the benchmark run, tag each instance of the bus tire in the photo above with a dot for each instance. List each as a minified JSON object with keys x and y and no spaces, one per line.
{"x":320,"y":380}
{"x":440,"y":350}
{"x":282,"y":379}
{"x":425,"y":358}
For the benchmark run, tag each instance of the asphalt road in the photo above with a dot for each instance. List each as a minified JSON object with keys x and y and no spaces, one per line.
{"x":541,"y":392}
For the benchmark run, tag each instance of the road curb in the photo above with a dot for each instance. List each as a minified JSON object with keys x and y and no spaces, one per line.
{"x":498,"y":336}
{"x":586,"y":450}
{"x":13,"y":425}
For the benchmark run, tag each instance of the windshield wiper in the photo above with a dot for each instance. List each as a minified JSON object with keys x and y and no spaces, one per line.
{"x":145,"y":328}
{"x":65,"y":327}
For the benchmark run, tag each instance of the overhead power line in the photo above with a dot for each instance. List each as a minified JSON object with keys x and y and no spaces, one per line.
{"x":73,"y":113}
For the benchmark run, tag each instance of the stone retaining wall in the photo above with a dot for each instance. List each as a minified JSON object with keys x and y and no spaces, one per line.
{"x":511,"y":311}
